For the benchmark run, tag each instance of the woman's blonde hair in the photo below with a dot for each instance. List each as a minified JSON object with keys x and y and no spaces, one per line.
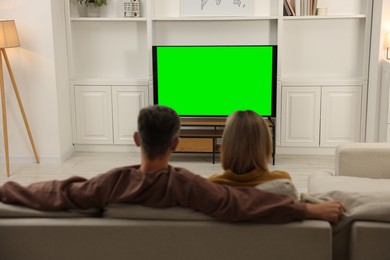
{"x":246,"y":143}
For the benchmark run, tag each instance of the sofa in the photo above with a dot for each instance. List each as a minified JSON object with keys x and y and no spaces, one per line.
{"x":362,"y":180}
{"x":136,"y":232}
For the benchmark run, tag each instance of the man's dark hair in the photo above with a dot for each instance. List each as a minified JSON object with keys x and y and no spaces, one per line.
{"x":157,"y":127}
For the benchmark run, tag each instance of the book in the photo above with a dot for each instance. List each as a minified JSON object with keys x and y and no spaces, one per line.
{"x":284,"y":10}
{"x":314,"y":7}
{"x":287,"y":10}
{"x":292,"y":4}
{"x":290,"y":8}
{"x":297,"y":7}
{"x":304,"y":8}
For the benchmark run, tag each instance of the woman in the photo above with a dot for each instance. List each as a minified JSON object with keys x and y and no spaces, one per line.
{"x":246,"y":151}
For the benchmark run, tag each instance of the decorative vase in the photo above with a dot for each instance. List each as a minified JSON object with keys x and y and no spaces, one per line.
{"x":93,"y":10}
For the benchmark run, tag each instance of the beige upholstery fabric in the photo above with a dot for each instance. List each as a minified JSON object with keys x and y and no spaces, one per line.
{"x":370,"y":240}
{"x":371,"y":163}
{"x":371,"y":160}
{"x":326,"y":181}
{"x":170,"y":233}
{"x":118,"y":239}
{"x":281,"y":186}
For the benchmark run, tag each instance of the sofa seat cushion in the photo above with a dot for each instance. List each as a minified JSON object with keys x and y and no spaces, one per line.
{"x":133,"y":211}
{"x":280,"y":186}
{"x":326,"y":181}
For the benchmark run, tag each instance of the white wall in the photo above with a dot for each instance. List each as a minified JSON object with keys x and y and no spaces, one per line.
{"x":62,"y":78}
{"x":42,"y":81}
{"x":41,"y":72}
{"x":377,"y":101}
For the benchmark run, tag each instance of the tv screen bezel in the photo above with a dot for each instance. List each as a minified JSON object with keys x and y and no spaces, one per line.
{"x":274,"y":76}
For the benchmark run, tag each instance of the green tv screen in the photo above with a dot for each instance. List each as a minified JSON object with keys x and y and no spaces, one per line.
{"x":215,"y":81}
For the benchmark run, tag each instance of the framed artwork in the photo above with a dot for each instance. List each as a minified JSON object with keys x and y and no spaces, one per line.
{"x":215,"y":7}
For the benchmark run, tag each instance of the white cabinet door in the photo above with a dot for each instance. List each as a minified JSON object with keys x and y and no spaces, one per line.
{"x":300,"y":116}
{"x":93,"y":115}
{"x":127,"y":102}
{"x":340,"y":115}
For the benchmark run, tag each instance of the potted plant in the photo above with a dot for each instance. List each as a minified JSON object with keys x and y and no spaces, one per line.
{"x":93,"y":9}
{"x":95,"y":2}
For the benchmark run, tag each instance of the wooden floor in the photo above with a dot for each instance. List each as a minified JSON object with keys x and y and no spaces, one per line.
{"x":88,"y":164}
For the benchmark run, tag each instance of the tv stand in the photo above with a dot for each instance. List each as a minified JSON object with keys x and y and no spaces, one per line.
{"x":201,"y":135}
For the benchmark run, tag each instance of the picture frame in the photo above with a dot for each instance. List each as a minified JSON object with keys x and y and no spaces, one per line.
{"x":215,"y":7}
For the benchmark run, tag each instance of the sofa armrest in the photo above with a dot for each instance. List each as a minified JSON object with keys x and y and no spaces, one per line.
{"x":370,"y":160}
{"x":369,"y":240}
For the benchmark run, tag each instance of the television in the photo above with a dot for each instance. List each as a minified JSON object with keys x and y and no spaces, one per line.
{"x":215,"y":81}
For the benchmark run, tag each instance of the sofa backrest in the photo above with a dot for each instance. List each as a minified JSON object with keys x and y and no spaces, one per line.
{"x":370,"y":160}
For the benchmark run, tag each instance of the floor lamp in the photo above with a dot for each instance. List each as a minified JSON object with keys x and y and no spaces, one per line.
{"x":9,"y":39}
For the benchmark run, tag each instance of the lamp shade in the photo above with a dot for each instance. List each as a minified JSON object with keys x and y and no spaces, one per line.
{"x":8,"y":34}
{"x":387,"y":40}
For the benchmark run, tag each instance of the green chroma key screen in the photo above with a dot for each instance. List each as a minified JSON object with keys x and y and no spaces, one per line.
{"x":213,"y":81}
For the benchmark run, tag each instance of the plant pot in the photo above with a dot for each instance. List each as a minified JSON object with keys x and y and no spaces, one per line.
{"x":93,"y":10}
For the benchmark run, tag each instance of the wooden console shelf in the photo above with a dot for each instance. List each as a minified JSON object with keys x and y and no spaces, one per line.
{"x":200,"y":136}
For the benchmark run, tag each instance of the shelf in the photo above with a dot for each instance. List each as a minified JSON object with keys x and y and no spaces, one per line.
{"x":324,"y":17}
{"x":313,"y":51}
{"x":108,"y":19}
{"x":196,"y":145}
{"x":315,"y":81}
{"x":111,"y":81}
{"x":202,"y":139}
{"x":190,"y":133}
{"x":203,"y":122}
{"x":216,"y":18}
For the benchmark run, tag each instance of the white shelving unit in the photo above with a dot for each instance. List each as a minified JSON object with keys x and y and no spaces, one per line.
{"x":109,"y":73}
{"x":327,"y":54}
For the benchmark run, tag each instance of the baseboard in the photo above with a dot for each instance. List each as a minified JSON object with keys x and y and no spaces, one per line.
{"x":43,"y":159}
{"x":31,"y":159}
{"x":305,"y":150}
{"x":105,"y":148}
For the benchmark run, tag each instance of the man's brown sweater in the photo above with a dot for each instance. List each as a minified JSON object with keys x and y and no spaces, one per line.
{"x":172,"y":187}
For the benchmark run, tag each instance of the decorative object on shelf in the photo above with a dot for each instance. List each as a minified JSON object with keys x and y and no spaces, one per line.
{"x":9,"y":39}
{"x":300,"y":7}
{"x":127,"y":8}
{"x":215,"y":7}
{"x":323,"y":11}
{"x":93,"y":6}
{"x":131,"y":8}
{"x":387,"y":44}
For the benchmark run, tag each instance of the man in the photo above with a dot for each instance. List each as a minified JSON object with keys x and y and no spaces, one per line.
{"x":155,"y":183}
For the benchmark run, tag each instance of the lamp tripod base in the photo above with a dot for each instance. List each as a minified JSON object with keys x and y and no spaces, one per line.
{"x":4,"y":110}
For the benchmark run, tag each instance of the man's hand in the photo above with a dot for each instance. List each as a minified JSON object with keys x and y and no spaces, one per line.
{"x":329,"y":211}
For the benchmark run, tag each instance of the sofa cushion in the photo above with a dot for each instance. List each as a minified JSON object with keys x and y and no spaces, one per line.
{"x":280,"y":186}
{"x":133,"y":211}
{"x":16,"y":211}
{"x":363,"y":160}
{"x":326,"y":181}
{"x":370,"y":240}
